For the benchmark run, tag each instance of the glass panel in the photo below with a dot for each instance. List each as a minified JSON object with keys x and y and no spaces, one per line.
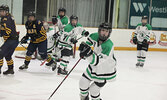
{"x":41,"y":9}
{"x":28,"y":5}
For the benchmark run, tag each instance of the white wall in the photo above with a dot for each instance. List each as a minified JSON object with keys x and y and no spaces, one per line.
{"x":120,"y":37}
{"x":18,"y":10}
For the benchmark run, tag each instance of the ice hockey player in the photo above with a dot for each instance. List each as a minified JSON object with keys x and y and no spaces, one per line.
{"x":142,"y":38}
{"x":50,"y":38}
{"x":67,"y":38}
{"x":51,"y":43}
{"x":101,"y":60}
{"x":37,"y":34}
{"x":8,"y":32}
{"x":61,"y":20}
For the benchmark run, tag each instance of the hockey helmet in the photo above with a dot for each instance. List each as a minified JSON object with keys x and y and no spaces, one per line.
{"x":107,"y":26}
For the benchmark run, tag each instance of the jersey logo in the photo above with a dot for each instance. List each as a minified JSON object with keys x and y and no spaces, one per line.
{"x":5,"y":19}
{"x":31,"y":31}
{"x":34,"y":26}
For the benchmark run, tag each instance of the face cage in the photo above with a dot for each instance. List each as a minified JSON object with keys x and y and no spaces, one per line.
{"x":73,"y":19}
{"x":105,"y":37}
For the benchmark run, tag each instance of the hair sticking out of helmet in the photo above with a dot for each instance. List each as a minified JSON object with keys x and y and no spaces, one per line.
{"x":104,"y":31}
{"x":74,"y":20}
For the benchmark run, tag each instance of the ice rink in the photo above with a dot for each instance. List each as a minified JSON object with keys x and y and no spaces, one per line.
{"x":37,"y":83}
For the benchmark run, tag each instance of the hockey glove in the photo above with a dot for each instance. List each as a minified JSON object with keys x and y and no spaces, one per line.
{"x":135,"y":40}
{"x":85,"y":50}
{"x":24,"y":40}
{"x":54,"y":20}
{"x":74,"y":41}
{"x":86,"y":33}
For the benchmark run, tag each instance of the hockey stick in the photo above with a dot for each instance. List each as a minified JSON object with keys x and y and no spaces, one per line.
{"x":26,"y":49}
{"x":64,"y":79}
{"x":59,"y":59}
{"x":74,"y":51}
{"x":80,"y":38}
{"x":22,"y":45}
{"x":43,"y":62}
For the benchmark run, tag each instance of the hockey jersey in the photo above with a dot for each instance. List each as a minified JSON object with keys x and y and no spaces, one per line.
{"x":143,"y":32}
{"x":36,"y":31}
{"x":8,"y":28}
{"x":50,"y":40}
{"x":68,"y":33}
{"x":102,"y":61}
{"x":62,"y":22}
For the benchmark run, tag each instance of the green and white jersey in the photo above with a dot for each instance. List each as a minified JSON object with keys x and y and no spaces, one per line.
{"x":102,"y":61}
{"x":74,"y":31}
{"x":68,"y":28}
{"x":68,"y":33}
{"x":64,"y":41}
{"x":62,"y":22}
{"x":50,"y":40}
{"x":143,"y":32}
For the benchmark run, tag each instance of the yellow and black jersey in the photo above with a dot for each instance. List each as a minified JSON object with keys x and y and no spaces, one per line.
{"x":8,"y":28}
{"x":36,"y":31}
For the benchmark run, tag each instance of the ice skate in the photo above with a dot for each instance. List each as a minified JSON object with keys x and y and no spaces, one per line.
{"x":9,"y":71}
{"x":24,"y":66}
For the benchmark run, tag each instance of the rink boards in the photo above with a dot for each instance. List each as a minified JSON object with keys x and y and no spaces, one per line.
{"x":120,"y":37}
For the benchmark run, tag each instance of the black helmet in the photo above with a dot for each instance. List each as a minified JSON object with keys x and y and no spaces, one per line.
{"x":31,"y":13}
{"x":73,"y":17}
{"x":107,"y":26}
{"x":144,"y":17}
{"x":62,"y":9}
{"x":7,"y":8}
{"x":4,"y":7}
{"x":54,"y":20}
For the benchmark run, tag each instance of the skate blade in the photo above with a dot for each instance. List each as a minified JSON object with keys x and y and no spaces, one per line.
{"x":9,"y":75}
{"x":61,"y":74}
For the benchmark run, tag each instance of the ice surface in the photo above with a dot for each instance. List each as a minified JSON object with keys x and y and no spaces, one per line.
{"x":37,"y":83}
